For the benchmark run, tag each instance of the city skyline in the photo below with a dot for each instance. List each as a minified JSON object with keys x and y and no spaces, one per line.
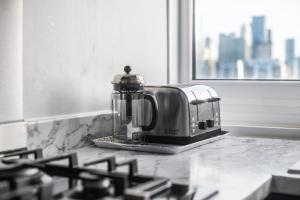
{"x":248,"y":54}
{"x":215,"y":17}
{"x":249,"y":34}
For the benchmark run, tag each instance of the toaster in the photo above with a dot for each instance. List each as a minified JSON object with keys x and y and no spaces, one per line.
{"x":181,"y":114}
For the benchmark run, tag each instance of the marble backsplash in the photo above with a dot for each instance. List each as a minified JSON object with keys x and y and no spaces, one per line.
{"x":60,"y":135}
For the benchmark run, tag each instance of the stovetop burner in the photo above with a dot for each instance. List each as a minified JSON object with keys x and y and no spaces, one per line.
{"x":26,"y":175}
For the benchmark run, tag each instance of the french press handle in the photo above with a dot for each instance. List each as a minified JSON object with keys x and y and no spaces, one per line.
{"x":154,"y":113}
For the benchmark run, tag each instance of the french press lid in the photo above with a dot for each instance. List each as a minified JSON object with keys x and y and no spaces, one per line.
{"x":127,"y":81}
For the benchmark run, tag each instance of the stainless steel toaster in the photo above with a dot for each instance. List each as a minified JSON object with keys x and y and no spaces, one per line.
{"x":181,"y":114}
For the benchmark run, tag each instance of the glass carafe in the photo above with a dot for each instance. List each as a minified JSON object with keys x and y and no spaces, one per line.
{"x":127,"y":116}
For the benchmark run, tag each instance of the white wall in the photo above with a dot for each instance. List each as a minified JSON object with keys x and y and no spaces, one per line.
{"x":10,"y":60}
{"x":73,"y":48}
{"x":12,"y":135}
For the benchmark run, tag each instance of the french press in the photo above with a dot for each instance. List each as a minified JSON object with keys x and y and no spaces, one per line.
{"x":129,"y":103}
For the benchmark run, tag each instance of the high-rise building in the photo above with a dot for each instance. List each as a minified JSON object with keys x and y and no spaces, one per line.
{"x":289,"y":51}
{"x":246,"y":37}
{"x":232,"y":49}
{"x":258,"y":34}
{"x":258,"y":29}
{"x":269,"y":44}
{"x":296,"y":68}
{"x":227,"y":48}
{"x":261,"y":39}
{"x":290,"y":56}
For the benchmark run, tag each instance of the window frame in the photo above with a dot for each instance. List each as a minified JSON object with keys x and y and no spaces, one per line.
{"x":181,"y":67}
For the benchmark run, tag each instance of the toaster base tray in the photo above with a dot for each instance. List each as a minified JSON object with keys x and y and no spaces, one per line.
{"x":183,"y":140}
{"x":107,"y":142}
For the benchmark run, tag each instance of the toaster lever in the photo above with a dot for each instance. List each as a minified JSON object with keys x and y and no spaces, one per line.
{"x":214,"y":99}
{"x":197,"y":102}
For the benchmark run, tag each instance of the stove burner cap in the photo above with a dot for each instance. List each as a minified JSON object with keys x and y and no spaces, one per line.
{"x":95,"y":186}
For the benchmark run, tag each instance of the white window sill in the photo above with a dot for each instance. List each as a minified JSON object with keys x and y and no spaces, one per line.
{"x":258,"y":103}
{"x":264,"y":132}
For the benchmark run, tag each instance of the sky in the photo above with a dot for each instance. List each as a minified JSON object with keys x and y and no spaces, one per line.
{"x":227,"y":16}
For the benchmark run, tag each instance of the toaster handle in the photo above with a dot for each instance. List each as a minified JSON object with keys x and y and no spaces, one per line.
{"x":154,"y":113}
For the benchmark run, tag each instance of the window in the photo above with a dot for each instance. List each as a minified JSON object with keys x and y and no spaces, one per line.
{"x":252,"y":101}
{"x":254,"y":39}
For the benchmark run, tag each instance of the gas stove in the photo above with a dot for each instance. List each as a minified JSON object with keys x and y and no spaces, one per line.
{"x":26,"y":175}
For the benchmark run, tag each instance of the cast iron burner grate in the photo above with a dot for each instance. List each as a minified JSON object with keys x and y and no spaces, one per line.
{"x":26,"y":175}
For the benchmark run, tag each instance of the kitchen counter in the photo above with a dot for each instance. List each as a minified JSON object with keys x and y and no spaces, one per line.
{"x":236,"y":166}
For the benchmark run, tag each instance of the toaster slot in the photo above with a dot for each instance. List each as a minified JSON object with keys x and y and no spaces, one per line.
{"x":205,"y":116}
{"x":207,"y":105}
{"x":216,"y":108}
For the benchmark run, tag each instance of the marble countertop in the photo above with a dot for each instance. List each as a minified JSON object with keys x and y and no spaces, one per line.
{"x":236,"y":166}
